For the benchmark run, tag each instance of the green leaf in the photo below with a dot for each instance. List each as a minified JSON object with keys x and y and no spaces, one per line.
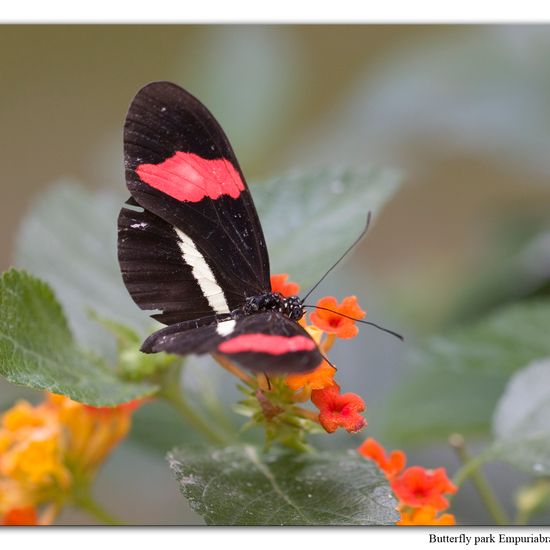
{"x":259,"y":98}
{"x":454,"y":382}
{"x":38,"y":350}
{"x":311,"y":217}
{"x":69,"y":239}
{"x":241,"y":486}
{"x":484,"y":92}
{"x":132,"y":364}
{"x":521,"y":422}
{"x":147,"y":435}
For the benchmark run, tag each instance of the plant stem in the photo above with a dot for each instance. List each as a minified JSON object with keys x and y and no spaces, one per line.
{"x":471,"y":468}
{"x":50,"y":513}
{"x":171,"y":392}
{"x":522,"y":517}
{"x":235,"y":371}
{"x":85,"y":502}
{"x":327,"y":344}
{"x":306,"y":413}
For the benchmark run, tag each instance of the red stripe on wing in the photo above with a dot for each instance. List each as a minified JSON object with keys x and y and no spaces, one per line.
{"x":266,"y":343}
{"x":188,"y":177}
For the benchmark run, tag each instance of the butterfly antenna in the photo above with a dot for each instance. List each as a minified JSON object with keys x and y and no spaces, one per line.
{"x":341,"y":257}
{"x":397,"y":335}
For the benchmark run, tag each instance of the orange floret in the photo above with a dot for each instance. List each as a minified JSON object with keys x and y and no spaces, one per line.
{"x":426,"y":515}
{"x":317,"y":379}
{"x":279,"y":284}
{"x":20,"y":516}
{"x":391,"y":465}
{"x":338,"y":410}
{"x":417,"y":487}
{"x":333,"y":323}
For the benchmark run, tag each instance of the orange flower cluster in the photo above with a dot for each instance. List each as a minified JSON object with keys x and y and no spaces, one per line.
{"x":336,"y":410}
{"x":419,"y":491}
{"x":274,"y":401}
{"x":49,"y":450}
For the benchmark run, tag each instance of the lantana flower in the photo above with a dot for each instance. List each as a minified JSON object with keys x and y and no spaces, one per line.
{"x":390,"y":464}
{"x":31,"y":447}
{"x":321,"y":377}
{"x":279,"y":284}
{"x":333,"y":323}
{"x":426,"y":515}
{"x":338,"y":410}
{"x":417,"y":487}
{"x":275,"y":401}
{"x":49,"y":452}
{"x":418,"y":490}
{"x":20,"y":516}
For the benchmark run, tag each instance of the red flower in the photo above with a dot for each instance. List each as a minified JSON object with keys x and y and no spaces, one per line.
{"x":333,"y":323}
{"x":338,"y":410}
{"x":20,"y":516}
{"x":279,"y":284}
{"x":418,"y":487}
{"x":391,"y":465}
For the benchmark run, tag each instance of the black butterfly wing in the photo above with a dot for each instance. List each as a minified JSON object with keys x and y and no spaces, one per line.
{"x":263,"y":342}
{"x":195,"y":248}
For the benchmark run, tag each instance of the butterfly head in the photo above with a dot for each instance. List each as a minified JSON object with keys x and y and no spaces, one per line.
{"x":291,"y":306}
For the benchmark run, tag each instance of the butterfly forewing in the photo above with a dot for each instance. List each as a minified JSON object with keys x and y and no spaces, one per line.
{"x":198,"y":248}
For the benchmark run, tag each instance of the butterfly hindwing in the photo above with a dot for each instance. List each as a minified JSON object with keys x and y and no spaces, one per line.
{"x":264,"y":342}
{"x":181,"y":169}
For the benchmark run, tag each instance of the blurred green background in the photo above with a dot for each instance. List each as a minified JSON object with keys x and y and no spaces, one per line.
{"x":462,"y":111}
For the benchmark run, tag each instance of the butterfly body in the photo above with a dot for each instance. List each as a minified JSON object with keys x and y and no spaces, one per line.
{"x":190,"y":244}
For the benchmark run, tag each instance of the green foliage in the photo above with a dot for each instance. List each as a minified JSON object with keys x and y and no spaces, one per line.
{"x":68,"y":239}
{"x":309,"y":218}
{"x":454,"y":382}
{"x":38,"y":350}
{"x":484,"y":93}
{"x":521,"y":423}
{"x":255,"y":106}
{"x":240,"y":486}
{"x":132,"y":363}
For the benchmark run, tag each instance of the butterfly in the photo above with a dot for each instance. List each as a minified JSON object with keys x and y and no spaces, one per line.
{"x":191,"y":246}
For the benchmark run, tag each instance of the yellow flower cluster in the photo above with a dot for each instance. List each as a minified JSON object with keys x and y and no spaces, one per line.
{"x":51,"y":450}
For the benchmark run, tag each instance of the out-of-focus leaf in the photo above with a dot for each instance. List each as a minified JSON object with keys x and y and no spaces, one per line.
{"x":241,"y":486}
{"x":155,"y":426}
{"x":485,"y":92}
{"x":516,"y":265}
{"x":251,"y":79}
{"x":38,"y":350}
{"x":311,"y":217}
{"x":69,"y":239}
{"x":453,"y":382}
{"x":521,"y":423}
